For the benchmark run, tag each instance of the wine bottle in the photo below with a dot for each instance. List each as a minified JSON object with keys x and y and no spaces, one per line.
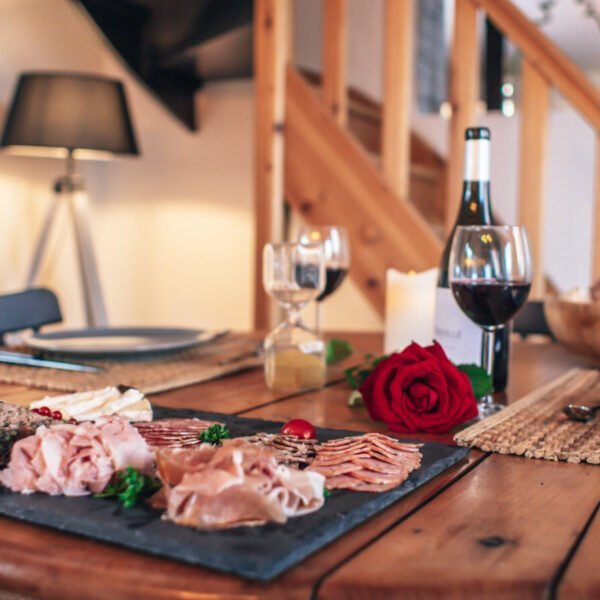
{"x":460,"y":337}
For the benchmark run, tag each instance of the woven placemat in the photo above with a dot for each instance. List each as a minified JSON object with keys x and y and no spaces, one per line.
{"x":535,"y":426}
{"x":155,"y":373}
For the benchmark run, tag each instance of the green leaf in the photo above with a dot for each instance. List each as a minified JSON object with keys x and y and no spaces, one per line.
{"x":481,"y":382}
{"x":326,"y":493}
{"x":337,"y":350}
{"x":130,"y":487}
{"x":355,"y":399}
{"x":214,"y":434}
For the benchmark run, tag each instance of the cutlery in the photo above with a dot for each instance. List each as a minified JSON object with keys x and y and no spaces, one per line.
{"x":578,"y":412}
{"x":27,"y":360}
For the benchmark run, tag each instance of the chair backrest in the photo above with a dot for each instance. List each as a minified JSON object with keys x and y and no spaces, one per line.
{"x":29,"y":309}
{"x":530,"y":320}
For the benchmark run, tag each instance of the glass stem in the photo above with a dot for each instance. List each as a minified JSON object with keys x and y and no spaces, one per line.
{"x":487,"y":359}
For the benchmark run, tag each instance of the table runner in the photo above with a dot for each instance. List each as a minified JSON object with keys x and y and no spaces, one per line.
{"x":535,"y":426}
{"x":152,"y":374}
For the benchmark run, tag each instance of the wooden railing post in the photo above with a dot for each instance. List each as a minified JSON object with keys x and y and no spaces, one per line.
{"x":534,"y":122}
{"x":596,"y":231}
{"x":397,"y":94}
{"x":464,"y":76}
{"x":335,"y":47}
{"x":271,"y":47}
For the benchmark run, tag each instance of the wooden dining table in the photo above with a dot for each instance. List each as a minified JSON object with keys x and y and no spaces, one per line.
{"x":490,"y":526}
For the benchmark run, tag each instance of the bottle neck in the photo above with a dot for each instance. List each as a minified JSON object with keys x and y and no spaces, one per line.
{"x":475,"y":206}
{"x":477,"y":160}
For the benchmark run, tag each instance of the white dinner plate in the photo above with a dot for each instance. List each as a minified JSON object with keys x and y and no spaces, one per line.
{"x":119,"y":341}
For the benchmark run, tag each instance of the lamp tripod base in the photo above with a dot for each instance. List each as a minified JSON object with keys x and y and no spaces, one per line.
{"x":69,"y":189}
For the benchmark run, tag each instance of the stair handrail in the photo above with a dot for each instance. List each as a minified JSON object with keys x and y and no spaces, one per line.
{"x":552,"y":62}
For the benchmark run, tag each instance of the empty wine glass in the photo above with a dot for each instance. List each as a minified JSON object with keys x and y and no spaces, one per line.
{"x":336,"y":249}
{"x":294,"y":275}
{"x":490,"y":278}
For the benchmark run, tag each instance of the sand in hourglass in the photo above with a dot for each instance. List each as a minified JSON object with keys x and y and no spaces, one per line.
{"x":292,"y":369}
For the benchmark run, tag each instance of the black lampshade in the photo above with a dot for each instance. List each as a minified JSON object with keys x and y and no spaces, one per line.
{"x":70,"y":111}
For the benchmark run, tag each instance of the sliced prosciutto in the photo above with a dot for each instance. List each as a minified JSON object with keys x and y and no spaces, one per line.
{"x":233,"y":485}
{"x":75,"y":460}
{"x":372,"y":462}
{"x":174,"y":433}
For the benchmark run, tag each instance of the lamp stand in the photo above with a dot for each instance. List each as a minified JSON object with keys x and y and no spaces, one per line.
{"x":69,"y":188}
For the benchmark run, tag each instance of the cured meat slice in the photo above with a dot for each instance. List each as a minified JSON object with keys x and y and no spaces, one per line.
{"x":290,"y":449}
{"x":371,"y":462}
{"x":333,"y":470}
{"x":376,"y":477}
{"x":173,"y":433}
{"x":236,"y":484}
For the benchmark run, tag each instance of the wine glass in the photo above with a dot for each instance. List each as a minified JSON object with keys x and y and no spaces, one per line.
{"x":294,"y":275}
{"x":490,"y":278}
{"x":336,"y":249}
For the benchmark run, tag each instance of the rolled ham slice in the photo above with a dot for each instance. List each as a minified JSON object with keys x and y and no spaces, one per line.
{"x":75,"y":460}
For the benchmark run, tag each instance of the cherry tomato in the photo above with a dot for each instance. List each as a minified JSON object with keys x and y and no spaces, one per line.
{"x":57,"y":415}
{"x":300,"y":428}
{"x":45,"y":411}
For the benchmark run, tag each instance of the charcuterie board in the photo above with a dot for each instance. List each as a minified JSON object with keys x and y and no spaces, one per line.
{"x":260,"y":553}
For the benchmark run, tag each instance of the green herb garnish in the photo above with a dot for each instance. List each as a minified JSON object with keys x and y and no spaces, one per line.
{"x":130,"y":486}
{"x":214,"y":434}
{"x":337,"y":350}
{"x":326,"y":493}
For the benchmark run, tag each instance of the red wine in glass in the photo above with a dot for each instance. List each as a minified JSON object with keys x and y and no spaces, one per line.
{"x":333,"y":279}
{"x":490,"y":303}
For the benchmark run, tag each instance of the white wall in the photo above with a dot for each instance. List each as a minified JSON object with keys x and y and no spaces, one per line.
{"x":173,"y":228}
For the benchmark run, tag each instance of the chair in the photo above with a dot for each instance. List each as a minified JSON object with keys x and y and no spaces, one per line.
{"x":29,"y":309}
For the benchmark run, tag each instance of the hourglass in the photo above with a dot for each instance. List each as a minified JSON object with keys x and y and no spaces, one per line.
{"x":294,"y":274}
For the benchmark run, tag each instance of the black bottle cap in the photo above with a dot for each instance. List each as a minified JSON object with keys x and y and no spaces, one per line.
{"x":477,"y":133}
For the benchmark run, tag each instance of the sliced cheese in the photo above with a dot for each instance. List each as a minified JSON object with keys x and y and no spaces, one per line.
{"x":91,"y":405}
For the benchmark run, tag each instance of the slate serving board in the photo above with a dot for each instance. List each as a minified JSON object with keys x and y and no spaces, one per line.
{"x":260,"y":553}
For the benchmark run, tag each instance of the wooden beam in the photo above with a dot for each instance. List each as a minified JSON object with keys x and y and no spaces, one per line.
{"x":534,"y":126}
{"x":335,"y":57}
{"x":271,"y":25}
{"x":397,"y":94}
{"x":596,"y":232}
{"x":464,"y":76}
{"x":552,"y":62}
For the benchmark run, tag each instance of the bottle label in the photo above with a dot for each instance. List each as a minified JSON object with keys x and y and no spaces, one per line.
{"x":460,"y":338}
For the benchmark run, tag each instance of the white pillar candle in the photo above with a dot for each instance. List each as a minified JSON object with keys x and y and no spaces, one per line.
{"x":409,"y":308}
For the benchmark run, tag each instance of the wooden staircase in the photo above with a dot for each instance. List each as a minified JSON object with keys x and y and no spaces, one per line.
{"x":305,"y":149}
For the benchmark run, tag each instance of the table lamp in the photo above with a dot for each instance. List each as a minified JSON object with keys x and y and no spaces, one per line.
{"x":71,"y":116}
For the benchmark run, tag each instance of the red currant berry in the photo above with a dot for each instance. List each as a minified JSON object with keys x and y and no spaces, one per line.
{"x":35,"y":410}
{"x":57,"y":415}
{"x":45,"y":411}
{"x":72,"y":421}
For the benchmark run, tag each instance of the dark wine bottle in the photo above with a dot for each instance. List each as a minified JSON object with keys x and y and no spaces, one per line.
{"x":459,"y":336}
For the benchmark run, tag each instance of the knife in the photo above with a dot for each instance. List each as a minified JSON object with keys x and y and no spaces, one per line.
{"x":27,"y":360}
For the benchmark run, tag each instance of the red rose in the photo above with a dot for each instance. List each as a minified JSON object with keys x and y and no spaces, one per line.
{"x":419,"y":390}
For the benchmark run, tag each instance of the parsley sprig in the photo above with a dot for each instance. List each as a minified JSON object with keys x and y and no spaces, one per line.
{"x":130,"y":486}
{"x":215,"y":434}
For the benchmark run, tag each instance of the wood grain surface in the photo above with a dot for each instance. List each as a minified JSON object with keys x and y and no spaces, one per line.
{"x":490,"y":526}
